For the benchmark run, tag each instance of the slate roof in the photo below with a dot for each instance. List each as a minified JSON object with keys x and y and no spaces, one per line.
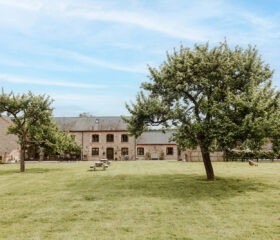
{"x":91,"y":123}
{"x":155,"y":137}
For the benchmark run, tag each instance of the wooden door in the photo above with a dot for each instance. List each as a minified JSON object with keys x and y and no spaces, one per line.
{"x":110,"y":153}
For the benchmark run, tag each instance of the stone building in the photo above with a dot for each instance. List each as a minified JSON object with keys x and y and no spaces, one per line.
{"x":9,"y":148}
{"x":107,"y":137}
{"x":100,"y":137}
{"x":158,"y":145}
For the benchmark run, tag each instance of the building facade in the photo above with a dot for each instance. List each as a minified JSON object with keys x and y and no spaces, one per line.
{"x":107,"y":137}
{"x":156,"y":145}
{"x":100,"y":137}
{"x":9,"y":147}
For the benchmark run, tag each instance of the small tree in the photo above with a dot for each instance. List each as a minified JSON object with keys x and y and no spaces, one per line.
{"x":54,"y":141}
{"x":85,"y":114}
{"x":33,"y":125}
{"x":28,"y":112}
{"x":148,"y":156}
{"x":161,"y":155}
{"x":215,"y":98}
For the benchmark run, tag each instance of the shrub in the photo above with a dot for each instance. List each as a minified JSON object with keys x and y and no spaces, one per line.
{"x":148,"y":156}
{"x":161,"y":155}
{"x":248,"y":155}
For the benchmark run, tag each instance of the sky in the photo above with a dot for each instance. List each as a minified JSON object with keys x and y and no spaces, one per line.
{"x":92,"y":55}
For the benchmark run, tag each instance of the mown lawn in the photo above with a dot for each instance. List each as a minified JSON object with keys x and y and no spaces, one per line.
{"x":140,"y":200}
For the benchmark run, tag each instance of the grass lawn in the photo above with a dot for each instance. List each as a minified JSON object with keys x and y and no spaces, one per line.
{"x":140,"y":200}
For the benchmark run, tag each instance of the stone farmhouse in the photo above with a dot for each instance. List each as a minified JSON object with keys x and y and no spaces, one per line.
{"x":107,"y":137}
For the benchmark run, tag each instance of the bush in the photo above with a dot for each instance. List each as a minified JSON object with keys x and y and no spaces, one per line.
{"x":148,"y":156}
{"x":161,"y":155}
{"x":248,"y":155}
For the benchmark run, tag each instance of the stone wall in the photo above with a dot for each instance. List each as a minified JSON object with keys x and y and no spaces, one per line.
{"x":194,"y":155}
{"x":8,"y":142}
{"x":156,"y":149}
{"x":85,"y":139}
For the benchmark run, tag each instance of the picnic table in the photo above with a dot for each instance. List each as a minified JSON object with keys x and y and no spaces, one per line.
{"x":105,"y":160}
{"x":99,"y":164}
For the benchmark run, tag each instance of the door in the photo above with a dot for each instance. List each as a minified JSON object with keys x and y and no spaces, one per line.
{"x":110,"y":153}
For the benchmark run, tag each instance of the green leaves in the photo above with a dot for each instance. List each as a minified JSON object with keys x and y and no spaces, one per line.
{"x":216,"y":97}
{"x":33,"y":124}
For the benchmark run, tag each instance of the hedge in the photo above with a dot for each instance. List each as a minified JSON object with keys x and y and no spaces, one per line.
{"x":249,"y":155}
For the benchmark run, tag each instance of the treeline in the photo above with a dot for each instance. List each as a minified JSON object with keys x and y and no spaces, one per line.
{"x":245,"y":155}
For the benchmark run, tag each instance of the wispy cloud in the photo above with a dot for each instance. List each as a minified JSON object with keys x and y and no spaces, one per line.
{"x":107,"y":104}
{"x":70,"y":40}
{"x":133,"y":18}
{"x":189,"y":23}
{"x":28,"y":5}
{"x":98,"y":11}
{"x":97,"y":62}
{"x":11,"y":62}
{"x":17,"y":79}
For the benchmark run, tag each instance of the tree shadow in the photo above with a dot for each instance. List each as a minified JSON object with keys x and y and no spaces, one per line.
{"x":177,"y":186}
{"x":27,"y":171}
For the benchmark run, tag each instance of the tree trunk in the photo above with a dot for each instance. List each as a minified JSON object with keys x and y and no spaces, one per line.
{"x":22,"y":159}
{"x":208,"y":165}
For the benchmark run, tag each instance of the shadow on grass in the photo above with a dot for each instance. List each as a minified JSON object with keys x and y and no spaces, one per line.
{"x":28,"y":171}
{"x":177,"y":186}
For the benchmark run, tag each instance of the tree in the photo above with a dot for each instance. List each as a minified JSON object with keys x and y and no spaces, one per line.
{"x":33,"y":124}
{"x":85,"y":114}
{"x":28,"y":112}
{"x":215,"y":97}
{"x":51,"y":140}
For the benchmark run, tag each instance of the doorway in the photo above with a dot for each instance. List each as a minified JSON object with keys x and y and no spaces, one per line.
{"x":110,"y":153}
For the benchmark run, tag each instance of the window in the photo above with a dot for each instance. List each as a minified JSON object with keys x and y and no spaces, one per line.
{"x":95,"y":138}
{"x":73,"y":137}
{"x":124,"y":138}
{"x":140,"y":151}
{"x":110,"y":138}
{"x":169,"y":151}
{"x":95,"y":152}
{"x":124,"y":151}
{"x":96,"y":121}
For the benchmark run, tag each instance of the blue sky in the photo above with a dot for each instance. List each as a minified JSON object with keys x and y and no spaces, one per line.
{"x":91,"y":56}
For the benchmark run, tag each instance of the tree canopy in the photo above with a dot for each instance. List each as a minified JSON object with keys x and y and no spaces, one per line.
{"x":216,"y":98}
{"x":33,"y":123}
{"x":85,"y":114}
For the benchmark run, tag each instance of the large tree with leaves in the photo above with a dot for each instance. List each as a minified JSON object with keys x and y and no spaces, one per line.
{"x":28,"y":113}
{"x":215,"y":97}
{"x":33,"y":124}
{"x":51,"y":140}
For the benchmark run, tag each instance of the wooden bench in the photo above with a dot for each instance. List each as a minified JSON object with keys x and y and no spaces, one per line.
{"x":99,"y":165}
{"x":154,"y":156}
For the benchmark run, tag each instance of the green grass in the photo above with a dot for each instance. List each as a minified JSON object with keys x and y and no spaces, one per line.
{"x":140,"y":200}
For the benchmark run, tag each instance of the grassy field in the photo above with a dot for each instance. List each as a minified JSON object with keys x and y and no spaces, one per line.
{"x":140,"y":200}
